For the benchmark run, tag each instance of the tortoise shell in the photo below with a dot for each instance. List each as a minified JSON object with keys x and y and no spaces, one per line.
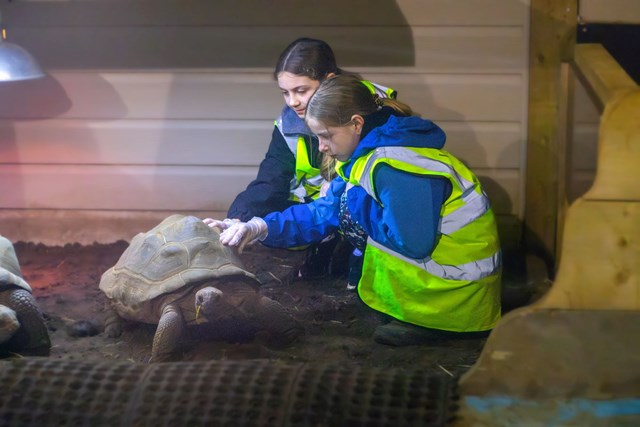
{"x":10,"y":274}
{"x":179,"y":252}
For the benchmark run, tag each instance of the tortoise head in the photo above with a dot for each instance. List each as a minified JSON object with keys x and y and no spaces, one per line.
{"x":208,"y":301}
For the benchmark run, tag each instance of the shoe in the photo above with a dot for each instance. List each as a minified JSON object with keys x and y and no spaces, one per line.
{"x":399,"y":334}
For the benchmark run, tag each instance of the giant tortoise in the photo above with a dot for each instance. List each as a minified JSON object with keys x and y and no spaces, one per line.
{"x":178,"y":275}
{"x":22,"y":327}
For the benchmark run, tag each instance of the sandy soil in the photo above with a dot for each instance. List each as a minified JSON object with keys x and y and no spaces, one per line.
{"x":338,"y":326}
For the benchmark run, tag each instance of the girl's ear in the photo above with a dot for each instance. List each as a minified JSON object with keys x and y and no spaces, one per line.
{"x":328,"y":76}
{"x":358,"y":122}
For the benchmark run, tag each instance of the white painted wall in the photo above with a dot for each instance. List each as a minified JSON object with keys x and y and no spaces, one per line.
{"x":156,"y":107}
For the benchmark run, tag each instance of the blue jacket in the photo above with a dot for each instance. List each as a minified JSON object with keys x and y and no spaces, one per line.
{"x":394,"y":223}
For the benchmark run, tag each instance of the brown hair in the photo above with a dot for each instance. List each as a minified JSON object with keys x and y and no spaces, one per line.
{"x":340,"y":97}
{"x":307,"y":57}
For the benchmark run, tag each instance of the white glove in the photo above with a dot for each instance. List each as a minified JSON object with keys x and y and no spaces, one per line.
{"x":220,"y":225}
{"x":243,"y":233}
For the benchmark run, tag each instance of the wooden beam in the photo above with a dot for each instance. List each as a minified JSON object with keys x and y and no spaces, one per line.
{"x":600,"y":73}
{"x":552,"y":40}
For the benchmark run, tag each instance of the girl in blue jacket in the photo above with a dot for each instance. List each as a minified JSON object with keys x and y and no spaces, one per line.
{"x":432,"y":258}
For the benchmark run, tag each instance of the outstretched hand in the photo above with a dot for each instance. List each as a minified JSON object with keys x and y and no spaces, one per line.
{"x":220,"y":225}
{"x":242,"y":233}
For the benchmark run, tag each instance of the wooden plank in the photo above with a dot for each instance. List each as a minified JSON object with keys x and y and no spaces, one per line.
{"x":600,"y":73}
{"x":140,"y":142}
{"x":60,"y":227}
{"x":551,"y":21}
{"x":610,"y":11}
{"x":483,"y":48}
{"x":618,"y":150}
{"x":613,"y":283}
{"x":251,"y":96}
{"x":30,"y":13}
{"x":208,"y":142}
{"x":131,"y":187}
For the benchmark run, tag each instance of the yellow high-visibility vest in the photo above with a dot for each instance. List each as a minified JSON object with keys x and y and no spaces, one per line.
{"x":456,"y":288}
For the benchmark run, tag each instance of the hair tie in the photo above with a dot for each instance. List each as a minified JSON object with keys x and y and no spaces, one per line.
{"x":378,"y":101}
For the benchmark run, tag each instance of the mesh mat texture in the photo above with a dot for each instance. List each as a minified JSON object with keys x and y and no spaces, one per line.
{"x":42,"y":392}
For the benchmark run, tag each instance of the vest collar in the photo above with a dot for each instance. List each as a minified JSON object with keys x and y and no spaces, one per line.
{"x":292,"y":124}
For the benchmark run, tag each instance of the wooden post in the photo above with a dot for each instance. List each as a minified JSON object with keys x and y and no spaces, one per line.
{"x":552,"y":40}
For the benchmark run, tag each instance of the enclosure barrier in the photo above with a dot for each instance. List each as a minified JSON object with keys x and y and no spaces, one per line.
{"x":41,"y":392}
{"x":573,"y":358}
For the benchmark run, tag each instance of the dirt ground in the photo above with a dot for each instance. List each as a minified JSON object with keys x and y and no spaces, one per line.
{"x":338,"y":326}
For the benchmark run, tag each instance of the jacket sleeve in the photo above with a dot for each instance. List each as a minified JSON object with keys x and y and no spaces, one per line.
{"x":269,"y":192}
{"x":407,"y":219}
{"x":303,"y":224}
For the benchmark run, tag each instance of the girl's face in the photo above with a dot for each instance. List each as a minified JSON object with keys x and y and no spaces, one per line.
{"x":338,"y":142}
{"x":297,"y":90}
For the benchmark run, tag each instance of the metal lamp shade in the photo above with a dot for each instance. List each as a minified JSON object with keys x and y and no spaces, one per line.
{"x":17,"y":64}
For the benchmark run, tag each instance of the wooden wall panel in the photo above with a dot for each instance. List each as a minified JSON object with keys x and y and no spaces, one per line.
{"x":585,"y":110}
{"x":167,"y":13}
{"x":610,"y":11}
{"x":247,"y":96}
{"x":134,"y":187}
{"x":140,"y":142}
{"x":426,"y":48}
{"x":55,"y":227}
{"x":207,"y":142}
{"x":584,"y":144}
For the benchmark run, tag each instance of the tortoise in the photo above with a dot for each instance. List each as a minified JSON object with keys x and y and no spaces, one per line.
{"x":22,"y":326}
{"x":179,"y":276}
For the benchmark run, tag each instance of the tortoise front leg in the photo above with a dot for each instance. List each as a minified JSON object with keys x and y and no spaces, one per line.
{"x":113,"y":323}
{"x":32,"y":338}
{"x":167,"y":339}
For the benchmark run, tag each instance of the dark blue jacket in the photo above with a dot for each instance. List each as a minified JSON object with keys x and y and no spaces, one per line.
{"x":407,"y":223}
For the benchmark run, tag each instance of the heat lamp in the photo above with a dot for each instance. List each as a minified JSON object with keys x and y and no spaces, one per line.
{"x":15,"y":62}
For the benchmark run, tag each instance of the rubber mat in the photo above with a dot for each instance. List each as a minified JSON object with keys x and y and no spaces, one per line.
{"x":40,"y":392}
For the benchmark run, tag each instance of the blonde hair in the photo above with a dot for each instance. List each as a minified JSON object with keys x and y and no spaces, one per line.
{"x":328,"y":168}
{"x":340,"y":97}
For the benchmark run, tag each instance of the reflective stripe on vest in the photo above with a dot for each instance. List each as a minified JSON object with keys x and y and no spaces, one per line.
{"x":307,"y":179}
{"x":381,"y":91}
{"x":474,"y":206}
{"x":471,"y":271}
